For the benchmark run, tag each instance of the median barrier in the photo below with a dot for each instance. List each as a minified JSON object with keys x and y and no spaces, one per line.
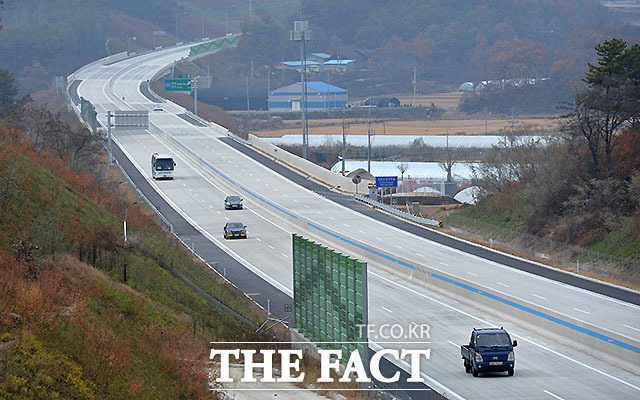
{"x":307,"y":168}
{"x":591,"y":339}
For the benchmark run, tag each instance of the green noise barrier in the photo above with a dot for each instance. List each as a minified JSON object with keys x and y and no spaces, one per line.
{"x":329,"y":296}
{"x":214,"y":45}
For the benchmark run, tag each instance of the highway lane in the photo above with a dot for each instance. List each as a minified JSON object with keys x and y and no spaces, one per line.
{"x":576,"y":303}
{"x":298,"y":201}
{"x":447,"y":324}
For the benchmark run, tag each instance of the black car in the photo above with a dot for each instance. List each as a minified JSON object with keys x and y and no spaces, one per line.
{"x":233,"y":202}
{"x":235,"y":230}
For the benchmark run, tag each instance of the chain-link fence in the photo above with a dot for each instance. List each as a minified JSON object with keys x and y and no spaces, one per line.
{"x":578,"y":259}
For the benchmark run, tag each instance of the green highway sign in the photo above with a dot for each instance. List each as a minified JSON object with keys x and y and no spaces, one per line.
{"x":177,"y":85}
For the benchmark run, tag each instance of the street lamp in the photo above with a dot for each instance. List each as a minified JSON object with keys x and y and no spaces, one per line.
{"x":202,"y":15}
{"x":302,"y":34}
{"x":129,"y":39}
{"x":177,"y":26}
{"x":268,"y":90}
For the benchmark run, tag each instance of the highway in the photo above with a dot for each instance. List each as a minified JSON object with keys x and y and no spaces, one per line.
{"x":209,"y":169}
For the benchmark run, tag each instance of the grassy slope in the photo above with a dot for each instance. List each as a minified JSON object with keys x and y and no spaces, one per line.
{"x":623,"y":243}
{"x":75,"y":330}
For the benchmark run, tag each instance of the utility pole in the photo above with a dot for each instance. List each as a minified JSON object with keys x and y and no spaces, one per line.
{"x":195,"y":95}
{"x":109,"y":138}
{"x":248,"y":106}
{"x":414,"y":85}
{"x":448,"y":159}
{"x":226,"y":21}
{"x":485,"y":120}
{"x":302,"y":34}
{"x":369,"y":144}
{"x":344,"y":143}
{"x":268,"y":91}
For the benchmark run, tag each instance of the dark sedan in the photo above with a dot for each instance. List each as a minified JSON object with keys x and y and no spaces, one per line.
{"x":235,"y":230}
{"x":233,"y":202}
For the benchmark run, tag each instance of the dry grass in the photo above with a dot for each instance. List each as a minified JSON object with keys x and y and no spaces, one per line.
{"x":456,"y":122}
{"x":544,"y":261}
{"x":495,"y":126}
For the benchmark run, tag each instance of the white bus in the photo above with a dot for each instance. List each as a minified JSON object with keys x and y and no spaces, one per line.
{"x":162,"y":166}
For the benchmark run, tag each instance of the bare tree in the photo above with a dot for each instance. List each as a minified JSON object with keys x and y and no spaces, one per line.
{"x":402,"y":167}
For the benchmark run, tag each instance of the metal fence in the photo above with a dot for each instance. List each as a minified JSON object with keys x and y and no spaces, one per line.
{"x":578,"y":259}
{"x":396,"y":212}
{"x":330,"y":296}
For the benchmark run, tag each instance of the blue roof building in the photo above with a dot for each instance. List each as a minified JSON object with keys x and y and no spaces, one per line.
{"x":320,"y":96}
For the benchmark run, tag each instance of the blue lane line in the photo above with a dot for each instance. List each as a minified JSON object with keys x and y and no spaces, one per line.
{"x":269,"y":203}
{"x":540,"y":314}
{"x":217,"y":171}
{"x":405,"y":264}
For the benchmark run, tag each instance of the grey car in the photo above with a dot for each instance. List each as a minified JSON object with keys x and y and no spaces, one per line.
{"x":233,"y":203}
{"x":235,"y":230}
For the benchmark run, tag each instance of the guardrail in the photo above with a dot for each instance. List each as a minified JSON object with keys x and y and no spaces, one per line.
{"x":396,"y":212}
{"x":142,"y":196}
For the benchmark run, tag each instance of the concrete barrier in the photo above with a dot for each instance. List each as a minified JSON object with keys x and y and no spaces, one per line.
{"x":588,"y":338}
{"x":593,"y":340}
{"x":307,"y":168}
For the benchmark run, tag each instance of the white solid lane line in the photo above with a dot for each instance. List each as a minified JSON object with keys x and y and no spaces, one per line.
{"x":513,"y":334}
{"x":553,"y":395}
{"x":457,"y":346}
{"x":582,"y":311}
{"x":387,"y":310}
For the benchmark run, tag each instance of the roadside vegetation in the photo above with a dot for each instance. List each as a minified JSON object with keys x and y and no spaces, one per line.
{"x":583,"y":186}
{"x":83,"y":314}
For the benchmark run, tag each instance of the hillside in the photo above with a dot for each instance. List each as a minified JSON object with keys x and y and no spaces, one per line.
{"x":84,"y":315}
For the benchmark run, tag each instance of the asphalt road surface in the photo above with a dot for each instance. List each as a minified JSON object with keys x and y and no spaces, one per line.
{"x":209,"y":168}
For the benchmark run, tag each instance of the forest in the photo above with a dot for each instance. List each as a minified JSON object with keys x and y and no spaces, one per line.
{"x":446,"y":41}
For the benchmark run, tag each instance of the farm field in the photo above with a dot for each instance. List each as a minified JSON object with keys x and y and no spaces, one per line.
{"x":422,"y":127}
{"x":457,"y":123}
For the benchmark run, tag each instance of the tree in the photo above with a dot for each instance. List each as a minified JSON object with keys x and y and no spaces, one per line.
{"x":421,"y":47}
{"x":402,"y":167}
{"x":611,"y":98}
{"x":9,"y":101}
{"x":262,"y":39}
{"x":516,"y":59}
